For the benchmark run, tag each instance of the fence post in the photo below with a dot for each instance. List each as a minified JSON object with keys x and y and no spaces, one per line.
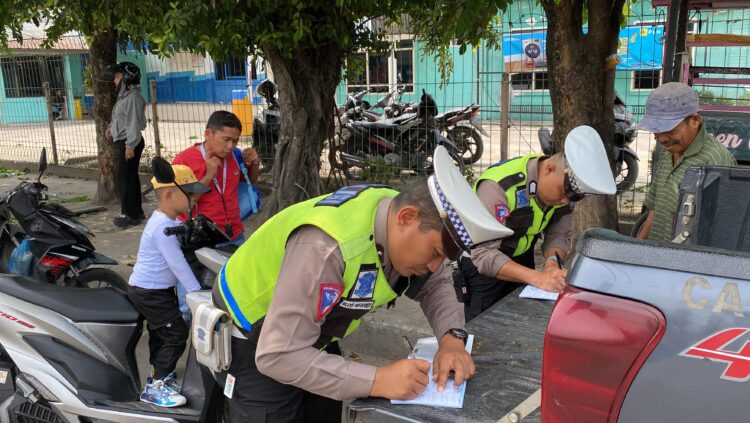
{"x":504,"y":115}
{"x":157,"y":141}
{"x":51,"y":120}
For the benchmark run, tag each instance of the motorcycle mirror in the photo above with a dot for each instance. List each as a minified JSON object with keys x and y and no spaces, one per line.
{"x":42,"y":161}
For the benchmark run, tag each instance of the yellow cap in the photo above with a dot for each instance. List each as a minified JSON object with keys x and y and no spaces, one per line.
{"x":185,"y":178}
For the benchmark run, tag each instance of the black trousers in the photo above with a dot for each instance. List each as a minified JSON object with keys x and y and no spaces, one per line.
{"x":128,"y":184}
{"x":167,"y":331}
{"x":259,"y":399}
{"x":484,"y":291}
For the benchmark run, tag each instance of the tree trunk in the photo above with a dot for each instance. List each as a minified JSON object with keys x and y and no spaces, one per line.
{"x":582,"y":93}
{"x":103,"y":51}
{"x":307,"y":85}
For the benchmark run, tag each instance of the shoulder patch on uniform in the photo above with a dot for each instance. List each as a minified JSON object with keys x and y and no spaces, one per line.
{"x":522,"y":198}
{"x":328,"y":294}
{"x":345,"y":194}
{"x":501,"y":212}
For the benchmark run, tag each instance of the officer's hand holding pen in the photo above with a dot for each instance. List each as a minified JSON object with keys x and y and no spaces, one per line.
{"x":402,"y":379}
{"x":552,"y":278}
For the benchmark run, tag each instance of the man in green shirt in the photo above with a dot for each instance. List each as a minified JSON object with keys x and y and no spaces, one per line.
{"x":672,"y":115}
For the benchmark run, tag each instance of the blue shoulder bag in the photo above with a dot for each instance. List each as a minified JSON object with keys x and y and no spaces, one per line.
{"x":249,"y":196}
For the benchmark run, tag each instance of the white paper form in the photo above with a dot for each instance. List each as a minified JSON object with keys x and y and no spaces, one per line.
{"x":451,"y":396}
{"x":531,"y":291}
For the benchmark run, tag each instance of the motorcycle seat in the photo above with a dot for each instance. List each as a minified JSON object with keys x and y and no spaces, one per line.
{"x":401,"y":119}
{"x":78,"y":304}
{"x":450,"y":113}
{"x":376,"y":126}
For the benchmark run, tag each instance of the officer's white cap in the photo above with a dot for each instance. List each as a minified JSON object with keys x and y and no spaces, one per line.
{"x":587,"y":163}
{"x":460,"y":206}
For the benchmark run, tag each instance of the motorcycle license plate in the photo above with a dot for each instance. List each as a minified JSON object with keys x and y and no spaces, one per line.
{"x":476,"y":122}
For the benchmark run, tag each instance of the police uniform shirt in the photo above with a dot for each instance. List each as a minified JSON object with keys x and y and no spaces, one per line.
{"x":487,"y":258}
{"x":285,"y":351}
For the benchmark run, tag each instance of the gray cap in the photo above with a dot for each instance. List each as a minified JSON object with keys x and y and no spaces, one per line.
{"x":669,"y":105}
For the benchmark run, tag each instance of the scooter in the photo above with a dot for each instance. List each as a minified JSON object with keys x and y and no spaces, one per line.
{"x":50,"y":245}
{"x":266,"y":129}
{"x":68,"y":356}
{"x":626,"y":159}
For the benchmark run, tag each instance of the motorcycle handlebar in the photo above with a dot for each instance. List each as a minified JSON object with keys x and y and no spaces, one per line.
{"x":175,"y":230}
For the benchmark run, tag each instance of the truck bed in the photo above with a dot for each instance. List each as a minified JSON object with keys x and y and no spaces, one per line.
{"x":508,"y":355}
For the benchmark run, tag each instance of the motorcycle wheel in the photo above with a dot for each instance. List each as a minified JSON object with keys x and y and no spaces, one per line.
{"x":427,"y":168}
{"x":99,"y":277}
{"x":627,"y":173}
{"x":347,"y":146}
{"x":469,"y":142}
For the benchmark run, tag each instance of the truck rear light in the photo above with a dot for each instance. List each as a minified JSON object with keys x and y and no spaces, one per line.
{"x":594,"y":346}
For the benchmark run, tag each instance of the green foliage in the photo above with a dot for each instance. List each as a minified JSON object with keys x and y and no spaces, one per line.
{"x":58,"y":17}
{"x":707,"y":96}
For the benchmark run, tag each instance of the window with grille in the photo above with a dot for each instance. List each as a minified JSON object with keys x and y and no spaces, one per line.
{"x":379,"y":72}
{"x":232,"y":68}
{"x":24,"y":75}
{"x":646,"y":79}
{"x":530,"y":81}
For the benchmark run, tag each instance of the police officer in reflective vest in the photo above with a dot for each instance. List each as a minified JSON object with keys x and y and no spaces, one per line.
{"x":307,"y":276}
{"x":534,"y":196}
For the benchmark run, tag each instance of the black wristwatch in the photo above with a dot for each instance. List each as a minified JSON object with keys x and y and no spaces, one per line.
{"x":460,"y":334}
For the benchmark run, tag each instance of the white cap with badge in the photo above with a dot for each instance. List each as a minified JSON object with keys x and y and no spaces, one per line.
{"x":587,"y":168}
{"x":466,"y":221}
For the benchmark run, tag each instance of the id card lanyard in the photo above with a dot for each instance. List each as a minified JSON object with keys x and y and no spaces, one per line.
{"x":221,"y":190}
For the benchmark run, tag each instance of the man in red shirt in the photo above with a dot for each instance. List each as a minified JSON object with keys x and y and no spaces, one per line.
{"x":214,"y":165}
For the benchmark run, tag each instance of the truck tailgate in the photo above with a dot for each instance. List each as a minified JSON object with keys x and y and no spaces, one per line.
{"x":699,"y":369}
{"x":508,"y":355}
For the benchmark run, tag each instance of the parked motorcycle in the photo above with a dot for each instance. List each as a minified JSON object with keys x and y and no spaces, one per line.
{"x":50,"y":245}
{"x":463,"y":126}
{"x":266,"y":128}
{"x":626,"y":159}
{"x":68,"y":355}
{"x":406,"y":142}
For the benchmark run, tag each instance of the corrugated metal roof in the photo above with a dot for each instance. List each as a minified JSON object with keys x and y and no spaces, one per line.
{"x":34,"y":36}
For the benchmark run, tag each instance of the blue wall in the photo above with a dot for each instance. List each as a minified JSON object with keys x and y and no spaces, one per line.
{"x":188,"y":87}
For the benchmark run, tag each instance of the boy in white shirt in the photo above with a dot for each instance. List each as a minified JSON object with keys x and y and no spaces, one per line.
{"x":159,"y":267}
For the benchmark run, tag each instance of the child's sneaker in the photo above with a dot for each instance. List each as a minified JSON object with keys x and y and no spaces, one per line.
{"x":170,"y":381}
{"x":157,"y":393}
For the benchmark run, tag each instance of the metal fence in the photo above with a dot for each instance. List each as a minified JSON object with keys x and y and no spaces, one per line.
{"x":185,"y":89}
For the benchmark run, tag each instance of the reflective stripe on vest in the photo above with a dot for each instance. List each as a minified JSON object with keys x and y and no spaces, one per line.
{"x":231,"y":302}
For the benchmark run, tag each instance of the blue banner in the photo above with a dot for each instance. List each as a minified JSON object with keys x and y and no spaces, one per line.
{"x":640,"y":48}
